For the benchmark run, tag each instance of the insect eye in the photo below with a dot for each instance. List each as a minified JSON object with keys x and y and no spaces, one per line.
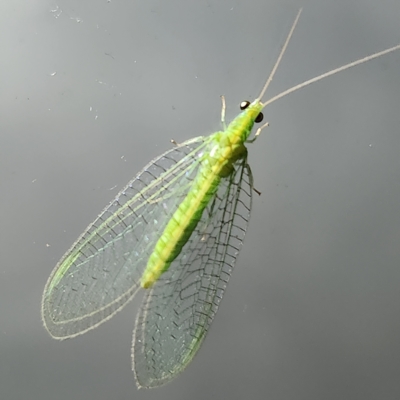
{"x":259,"y":118}
{"x":245,"y":104}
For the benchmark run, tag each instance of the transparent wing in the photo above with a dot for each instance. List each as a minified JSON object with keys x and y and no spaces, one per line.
{"x":177,"y":312}
{"x":101,"y":271}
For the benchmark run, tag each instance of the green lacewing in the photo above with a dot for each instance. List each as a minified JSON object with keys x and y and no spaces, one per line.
{"x":175,"y":232}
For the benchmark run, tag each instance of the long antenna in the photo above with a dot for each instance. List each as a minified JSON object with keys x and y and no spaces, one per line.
{"x":271,"y":75}
{"x":329,"y":73}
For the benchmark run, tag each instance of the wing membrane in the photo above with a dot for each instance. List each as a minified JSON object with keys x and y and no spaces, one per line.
{"x":101,"y":271}
{"x":177,"y":312}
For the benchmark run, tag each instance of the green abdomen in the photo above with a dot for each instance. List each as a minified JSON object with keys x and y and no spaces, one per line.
{"x":182,"y":224}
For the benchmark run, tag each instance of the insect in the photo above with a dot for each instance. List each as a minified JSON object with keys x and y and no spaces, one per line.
{"x":175,"y":232}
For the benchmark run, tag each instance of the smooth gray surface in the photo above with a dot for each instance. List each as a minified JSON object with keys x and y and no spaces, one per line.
{"x":91,"y":91}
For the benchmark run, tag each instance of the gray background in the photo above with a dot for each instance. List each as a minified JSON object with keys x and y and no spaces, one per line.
{"x":91,"y":91}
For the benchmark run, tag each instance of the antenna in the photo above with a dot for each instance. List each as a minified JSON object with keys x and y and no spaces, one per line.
{"x":332,"y":72}
{"x":271,"y":75}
